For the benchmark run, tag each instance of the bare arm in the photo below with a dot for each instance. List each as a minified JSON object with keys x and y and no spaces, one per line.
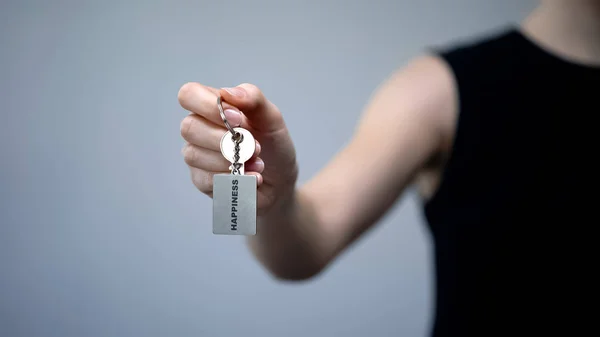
{"x":407,"y":121}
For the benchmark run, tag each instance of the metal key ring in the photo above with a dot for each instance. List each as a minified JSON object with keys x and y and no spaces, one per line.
{"x":234,"y":133}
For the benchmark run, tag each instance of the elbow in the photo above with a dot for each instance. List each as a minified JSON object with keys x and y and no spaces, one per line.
{"x":296,"y":274}
{"x":293,"y":269}
{"x":289,"y":265}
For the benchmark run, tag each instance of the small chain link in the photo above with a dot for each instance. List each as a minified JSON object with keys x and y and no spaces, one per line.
{"x":235,"y":167}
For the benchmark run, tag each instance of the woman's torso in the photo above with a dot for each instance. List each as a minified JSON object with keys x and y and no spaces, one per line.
{"x":512,"y":209}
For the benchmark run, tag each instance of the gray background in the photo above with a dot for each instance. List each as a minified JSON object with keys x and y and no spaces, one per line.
{"x":102,"y":232}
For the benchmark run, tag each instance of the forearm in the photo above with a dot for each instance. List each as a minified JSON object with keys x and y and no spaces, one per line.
{"x":289,"y":242}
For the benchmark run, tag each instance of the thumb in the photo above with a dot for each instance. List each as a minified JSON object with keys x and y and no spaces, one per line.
{"x":262,"y":115}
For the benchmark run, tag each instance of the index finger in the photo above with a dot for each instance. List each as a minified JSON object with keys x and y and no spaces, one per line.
{"x":202,"y":100}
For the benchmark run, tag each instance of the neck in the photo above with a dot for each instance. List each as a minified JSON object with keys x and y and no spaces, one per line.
{"x":568,"y":28}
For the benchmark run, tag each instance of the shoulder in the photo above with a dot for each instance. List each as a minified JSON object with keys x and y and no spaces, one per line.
{"x":431,"y":83}
{"x":451,"y":74}
{"x":422,"y":97}
{"x":414,"y":99}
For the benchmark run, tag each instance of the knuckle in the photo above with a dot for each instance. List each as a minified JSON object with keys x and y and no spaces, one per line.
{"x":255,"y":93}
{"x":186,"y":91}
{"x":190,"y":154}
{"x":186,"y":127}
{"x":275,"y":109}
{"x":203,"y":181}
{"x":250,"y":87}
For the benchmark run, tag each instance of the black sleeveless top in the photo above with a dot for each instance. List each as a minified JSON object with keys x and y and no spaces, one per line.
{"x":513,"y":220}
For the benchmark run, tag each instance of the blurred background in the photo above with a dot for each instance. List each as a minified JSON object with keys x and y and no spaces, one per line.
{"x":102,"y":232}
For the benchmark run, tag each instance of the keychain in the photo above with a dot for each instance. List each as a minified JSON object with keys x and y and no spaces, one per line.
{"x":234,"y":194}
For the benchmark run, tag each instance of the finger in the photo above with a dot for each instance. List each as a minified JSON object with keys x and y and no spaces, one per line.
{"x":204,"y":159}
{"x":200,"y":132}
{"x":203,"y":180}
{"x":259,"y":177}
{"x":202,"y":100}
{"x":255,"y":165}
{"x":261,"y":114}
{"x":257,"y":149}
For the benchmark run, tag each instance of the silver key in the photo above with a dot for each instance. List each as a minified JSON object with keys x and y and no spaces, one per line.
{"x":247,"y":145}
{"x":234,"y":194}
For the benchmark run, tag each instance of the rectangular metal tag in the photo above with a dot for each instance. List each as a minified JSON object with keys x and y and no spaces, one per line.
{"x":234,"y":204}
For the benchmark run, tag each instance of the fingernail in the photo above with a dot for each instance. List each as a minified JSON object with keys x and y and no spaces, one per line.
{"x":237,"y":91}
{"x":258,"y":148}
{"x":259,"y":165}
{"x":233,"y":117}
